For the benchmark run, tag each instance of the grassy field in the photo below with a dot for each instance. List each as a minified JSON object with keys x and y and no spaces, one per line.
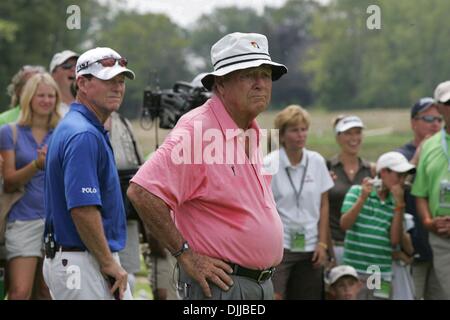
{"x":385,"y":130}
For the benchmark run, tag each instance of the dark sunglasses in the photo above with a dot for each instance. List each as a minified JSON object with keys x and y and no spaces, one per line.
{"x":446,"y":103}
{"x":108,"y":62}
{"x":430,"y":119}
{"x":67,"y":65}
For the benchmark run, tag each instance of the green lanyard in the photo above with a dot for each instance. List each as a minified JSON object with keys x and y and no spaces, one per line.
{"x":445,"y":147}
{"x":297,"y":194}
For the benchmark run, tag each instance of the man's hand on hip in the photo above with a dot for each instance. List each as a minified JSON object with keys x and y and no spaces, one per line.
{"x":203,"y":269}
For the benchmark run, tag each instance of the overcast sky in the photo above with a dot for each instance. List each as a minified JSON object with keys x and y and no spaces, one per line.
{"x":184,"y":12}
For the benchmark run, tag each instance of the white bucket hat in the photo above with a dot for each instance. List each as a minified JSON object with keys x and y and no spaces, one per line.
{"x":395,"y":161}
{"x":237,"y":51}
{"x":88,"y":63}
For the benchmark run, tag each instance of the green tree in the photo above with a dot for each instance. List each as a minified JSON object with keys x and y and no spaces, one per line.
{"x":354,"y":67}
{"x":32,"y":31}
{"x":155,"y":48}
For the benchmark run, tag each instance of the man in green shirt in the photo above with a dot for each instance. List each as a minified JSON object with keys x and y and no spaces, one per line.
{"x":432,"y":190}
{"x":15,"y":89}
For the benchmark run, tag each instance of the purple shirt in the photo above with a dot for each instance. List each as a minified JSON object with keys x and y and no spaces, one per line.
{"x":31,"y":205}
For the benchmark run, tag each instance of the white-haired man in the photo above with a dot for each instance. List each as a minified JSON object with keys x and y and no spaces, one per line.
{"x":227,"y":230}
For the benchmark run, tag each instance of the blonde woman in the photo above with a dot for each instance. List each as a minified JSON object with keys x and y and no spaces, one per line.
{"x":300,"y":189}
{"x":23,"y":146}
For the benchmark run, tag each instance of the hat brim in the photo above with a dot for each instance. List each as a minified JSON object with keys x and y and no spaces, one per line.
{"x":109,"y":72}
{"x":444,"y":97}
{"x":277,"y":71}
{"x":404,"y":167}
{"x":350,"y":126}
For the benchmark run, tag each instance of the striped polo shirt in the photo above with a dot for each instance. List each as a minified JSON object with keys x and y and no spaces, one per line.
{"x":368,"y":242}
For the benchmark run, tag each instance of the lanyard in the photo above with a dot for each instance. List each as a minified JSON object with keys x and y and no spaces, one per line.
{"x":445,"y":147}
{"x":297,"y":194}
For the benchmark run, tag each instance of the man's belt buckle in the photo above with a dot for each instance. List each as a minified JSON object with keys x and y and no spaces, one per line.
{"x":264,"y":275}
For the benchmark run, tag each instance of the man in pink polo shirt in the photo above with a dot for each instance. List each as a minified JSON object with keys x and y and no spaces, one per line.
{"x":203,"y":194}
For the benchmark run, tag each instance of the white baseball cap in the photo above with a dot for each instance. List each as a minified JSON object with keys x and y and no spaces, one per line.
{"x":442,"y":92}
{"x":347,"y":123}
{"x":340,"y":271}
{"x":89,"y":63}
{"x":61,"y":57}
{"x":237,"y":51}
{"x":395,"y":161}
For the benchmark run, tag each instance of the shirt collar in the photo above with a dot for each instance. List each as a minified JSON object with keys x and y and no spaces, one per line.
{"x":389,"y":199}
{"x":224,"y":119}
{"x":286,"y":163}
{"x":88,"y":114}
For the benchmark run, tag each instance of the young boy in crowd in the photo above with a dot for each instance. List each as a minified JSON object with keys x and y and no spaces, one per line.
{"x":344,"y":283}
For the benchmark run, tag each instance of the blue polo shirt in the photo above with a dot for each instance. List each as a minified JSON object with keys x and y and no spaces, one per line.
{"x":81,"y":171}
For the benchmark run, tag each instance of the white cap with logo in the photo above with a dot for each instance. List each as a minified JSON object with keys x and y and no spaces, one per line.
{"x":61,"y":57}
{"x":347,"y":123}
{"x":395,"y":161}
{"x":93,"y":62}
{"x":340,"y":271}
{"x":442,"y":92}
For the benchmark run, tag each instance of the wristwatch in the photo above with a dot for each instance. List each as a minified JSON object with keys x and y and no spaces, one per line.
{"x":184,"y":247}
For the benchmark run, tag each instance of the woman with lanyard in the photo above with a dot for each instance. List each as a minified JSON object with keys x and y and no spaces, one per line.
{"x":346,"y":169}
{"x":300,"y":188}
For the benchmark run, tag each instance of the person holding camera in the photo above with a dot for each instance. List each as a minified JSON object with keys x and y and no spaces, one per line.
{"x":432,"y":190}
{"x":86,"y":222}
{"x":128,"y":157}
{"x":372,"y":215}
{"x":209,"y":204}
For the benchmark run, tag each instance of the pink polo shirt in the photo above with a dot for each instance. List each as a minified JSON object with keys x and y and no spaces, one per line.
{"x":224,"y":210}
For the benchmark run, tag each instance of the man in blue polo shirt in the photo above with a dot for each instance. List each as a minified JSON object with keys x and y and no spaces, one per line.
{"x":83,"y":200}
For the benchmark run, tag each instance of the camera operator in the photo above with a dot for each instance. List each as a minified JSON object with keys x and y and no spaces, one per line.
{"x":128,"y":157}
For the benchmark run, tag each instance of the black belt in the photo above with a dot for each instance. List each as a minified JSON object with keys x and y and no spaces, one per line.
{"x":71,"y":249}
{"x":257,"y":275}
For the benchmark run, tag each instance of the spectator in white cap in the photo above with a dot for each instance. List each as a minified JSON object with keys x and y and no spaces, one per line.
{"x":347,"y":168}
{"x":62,"y":69}
{"x":372,"y":215}
{"x":84,"y":204}
{"x":432,"y":190}
{"x":227,"y":235}
{"x":344,"y":283}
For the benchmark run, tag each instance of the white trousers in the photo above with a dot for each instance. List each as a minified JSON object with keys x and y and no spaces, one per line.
{"x":77,"y":276}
